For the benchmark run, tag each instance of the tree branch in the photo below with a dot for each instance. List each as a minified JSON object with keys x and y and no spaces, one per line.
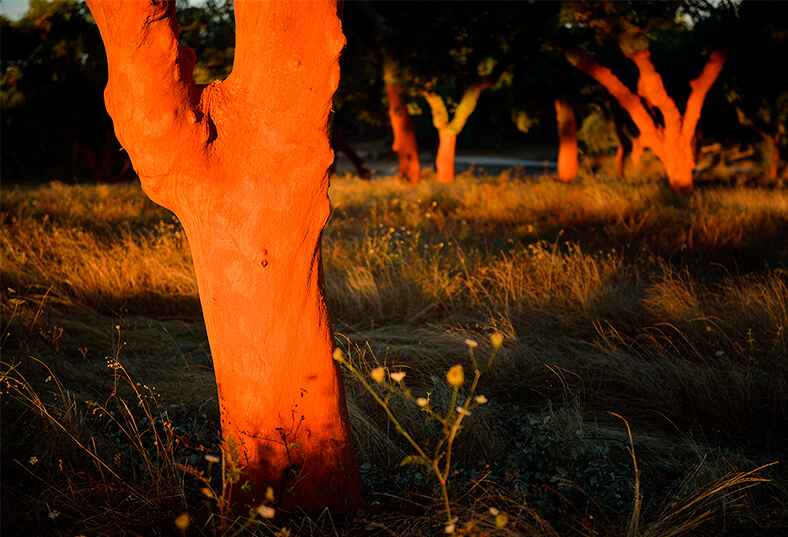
{"x":628,"y":100}
{"x":440,"y":116}
{"x":700,"y":88}
{"x":651,"y":88}
{"x":467,"y":106}
{"x":150,"y":94}
{"x":302,"y":62}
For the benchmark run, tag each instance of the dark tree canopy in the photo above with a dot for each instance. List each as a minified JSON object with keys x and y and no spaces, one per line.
{"x":53,"y":67}
{"x":53,"y":63}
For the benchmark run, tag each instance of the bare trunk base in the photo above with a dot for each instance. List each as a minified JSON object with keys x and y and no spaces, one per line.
{"x":567,"y":147}
{"x":444,"y":163}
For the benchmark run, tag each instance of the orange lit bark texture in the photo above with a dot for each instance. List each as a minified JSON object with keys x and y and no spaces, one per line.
{"x":448,"y":130}
{"x":243,"y":164}
{"x":567,"y":141}
{"x":402,"y":127}
{"x":672,"y":139}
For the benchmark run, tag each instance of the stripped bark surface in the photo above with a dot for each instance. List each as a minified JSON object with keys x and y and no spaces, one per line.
{"x":243,"y":164}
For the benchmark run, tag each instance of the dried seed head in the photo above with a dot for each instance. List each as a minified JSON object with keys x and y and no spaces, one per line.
{"x":378,"y":375}
{"x":265,"y":511}
{"x":182,"y":522}
{"x":497,"y":340}
{"x":455,"y":376}
{"x":398,"y":376}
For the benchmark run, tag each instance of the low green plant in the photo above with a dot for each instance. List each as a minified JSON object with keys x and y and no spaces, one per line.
{"x":450,"y":419}
{"x":544,"y":451}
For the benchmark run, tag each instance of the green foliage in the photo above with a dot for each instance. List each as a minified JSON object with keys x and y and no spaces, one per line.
{"x":554,"y":448}
{"x":598,"y":134}
{"x":360,"y":100}
{"x":209,"y":29}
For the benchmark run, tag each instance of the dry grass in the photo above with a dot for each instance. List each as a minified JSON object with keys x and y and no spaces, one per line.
{"x":612,"y":297}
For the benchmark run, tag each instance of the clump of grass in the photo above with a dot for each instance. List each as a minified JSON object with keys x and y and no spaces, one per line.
{"x":229,"y":523}
{"x":107,"y":255}
{"x":107,"y":460}
{"x":93,"y":461}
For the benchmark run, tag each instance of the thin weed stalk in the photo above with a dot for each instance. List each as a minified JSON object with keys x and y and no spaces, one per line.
{"x":440,"y":462}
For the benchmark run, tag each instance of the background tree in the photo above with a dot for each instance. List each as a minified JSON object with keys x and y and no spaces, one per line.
{"x":538,"y":87}
{"x":359,"y":103}
{"x":452,"y":53}
{"x":209,"y":29}
{"x":567,"y":140}
{"x":403,"y":128}
{"x":369,"y":61}
{"x":663,"y":127}
{"x":753,"y":83}
{"x":53,"y":68}
{"x":243,"y":164}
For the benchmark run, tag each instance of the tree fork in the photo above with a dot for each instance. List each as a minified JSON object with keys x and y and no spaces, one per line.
{"x":672,"y":141}
{"x":244,"y":163}
{"x":449,"y":130}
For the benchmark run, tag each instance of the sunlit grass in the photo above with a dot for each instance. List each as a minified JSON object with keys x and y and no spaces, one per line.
{"x":611,"y":297}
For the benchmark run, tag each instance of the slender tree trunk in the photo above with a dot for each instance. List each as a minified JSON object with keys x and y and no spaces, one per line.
{"x":444,"y":162}
{"x":110,"y":168}
{"x":773,"y":155}
{"x":678,"y":158}
{"x":621,"y":150}
{"x":243,"y":164}
{"x":620,"y":153}
{"x":567,"y":135}
{"x":402,"y":126}
{"x":671,"y":140}
{"x":88,"y":154}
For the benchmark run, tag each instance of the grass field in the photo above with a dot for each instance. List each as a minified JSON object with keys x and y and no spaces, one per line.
{"x":622,"y":307}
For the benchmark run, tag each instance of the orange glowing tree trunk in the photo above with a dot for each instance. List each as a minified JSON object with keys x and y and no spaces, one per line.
{"x":672,"y":139}
{"x":448,"y":130}
{"x":243,"y":164}
{"x":567,"y":141}
{"x":402,"y":127}
{"x":773,"y":162}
